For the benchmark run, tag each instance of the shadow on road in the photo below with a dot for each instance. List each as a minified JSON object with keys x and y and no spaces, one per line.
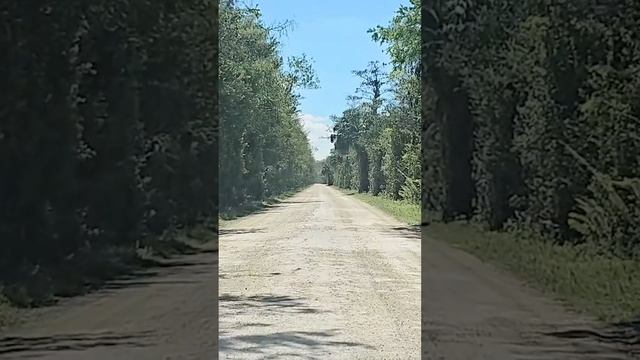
{"x":177,"y":264}
{"x":284,"y":204}
{"x":133,"y":284}
{"x":267,"y":302}
{"x":266,"y":343}
{"x":408,"y":231}
{"x":267,"y":275}
{"x":238,"y":231}
{"x":162,"y":272}
{"x":30,"y":346}
{"x":300,"y":202}
{"x":303,"y":340}
{"x":625,"y":335}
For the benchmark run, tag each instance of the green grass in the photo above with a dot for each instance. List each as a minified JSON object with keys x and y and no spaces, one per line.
{"x":607,"y":288}
{"x":401,"y":210}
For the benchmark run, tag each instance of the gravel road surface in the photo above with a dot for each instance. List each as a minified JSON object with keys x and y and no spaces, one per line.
{"x":319,"y":276}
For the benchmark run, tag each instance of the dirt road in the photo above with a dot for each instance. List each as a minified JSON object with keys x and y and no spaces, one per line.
{"x":319,"y":276}
{"x":162,"y":314}
{"x":473,"y":311}
{"x":324,"y":276}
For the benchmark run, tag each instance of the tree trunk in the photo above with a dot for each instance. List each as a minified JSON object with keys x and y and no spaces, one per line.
{"x":363,"y":166}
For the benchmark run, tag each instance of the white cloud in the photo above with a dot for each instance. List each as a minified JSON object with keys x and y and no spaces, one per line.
{"x":318,"y":130}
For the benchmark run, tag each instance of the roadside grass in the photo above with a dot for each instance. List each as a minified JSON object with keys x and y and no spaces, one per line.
{"x":90,"y":269}
{"x":605,"y":287}
{"x":8,"y":313}
{"x":404,"y":211}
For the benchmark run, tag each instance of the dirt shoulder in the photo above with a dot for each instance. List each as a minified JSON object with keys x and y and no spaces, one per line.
{"x":166,"y":312}
{"x":472,"y":310}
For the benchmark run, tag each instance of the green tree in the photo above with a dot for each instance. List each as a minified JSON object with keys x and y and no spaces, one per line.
{"x":547,"y":89}
{"x":377,"y":139}
{"x":108,"y":129}
{"x":264,"y":150}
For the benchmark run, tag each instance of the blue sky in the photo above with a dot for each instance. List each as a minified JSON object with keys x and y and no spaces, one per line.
{"x":334,"y":34}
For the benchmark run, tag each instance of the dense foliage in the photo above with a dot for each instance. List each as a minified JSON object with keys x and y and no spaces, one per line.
{"x":535,"y":118}
{"x":107,"y":125}
{"x":319,"y":176}
{"x":377,"y":139}
{"x":264,"y":150}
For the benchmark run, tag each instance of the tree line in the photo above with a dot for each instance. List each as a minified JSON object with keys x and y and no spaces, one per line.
{"x":108,"y":126}
{"x":532,"y":119}
{"x":264,"y":150}
{"x":377,"y":145}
